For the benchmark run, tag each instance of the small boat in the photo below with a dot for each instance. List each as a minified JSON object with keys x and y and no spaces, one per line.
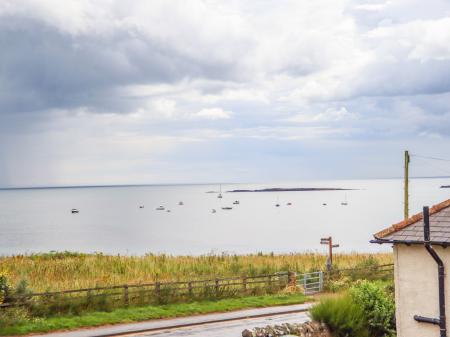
{"x":74,"y":210}
{"x":168,"y":211}
{"x":142,"y":206}
{"x":324,"y":204}
{"x":227,"y":208}
{"x":344,"y":203}
{"x":220,"y":193}
{"x":289,"y":204}
{"x":277,"y":205}
{"x":213,"y":211}
{"x":181,"y":203}
{"x":236,"y":202}
{"x":160,"y":208}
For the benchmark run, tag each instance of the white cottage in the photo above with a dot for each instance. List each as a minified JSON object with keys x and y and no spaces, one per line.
{"x":422,"y":265}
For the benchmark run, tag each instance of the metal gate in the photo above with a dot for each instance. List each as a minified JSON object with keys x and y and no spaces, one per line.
{"x":311,"y":282}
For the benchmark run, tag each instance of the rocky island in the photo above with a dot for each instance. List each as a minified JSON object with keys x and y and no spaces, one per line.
{"x":295,"y":189}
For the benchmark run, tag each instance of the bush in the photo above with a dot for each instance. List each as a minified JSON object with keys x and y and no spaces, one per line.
{"x":367,"y":309}
{"x":339,"y":284}
{"x":4,"y":288}
{"x":342,"y":316}
{"x":378,"y":306}
{"x":13,"y":316}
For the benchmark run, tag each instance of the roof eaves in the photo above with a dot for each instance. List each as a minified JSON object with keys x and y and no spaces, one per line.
{"x":413,"y":219}
{"x":410,"y":242}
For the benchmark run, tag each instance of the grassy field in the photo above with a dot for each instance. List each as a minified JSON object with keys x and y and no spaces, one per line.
{"x":148,"y":312}
{"x":59,"y":271}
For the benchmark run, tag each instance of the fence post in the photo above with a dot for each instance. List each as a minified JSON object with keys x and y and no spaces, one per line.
{"x":320,"y":280}
{"x":125,"y":294}
{"x":158,"y":291}
{"x":244,"y":284}
{"x":304,"y":283}
{"x":292,"y":279}
{"x":216,"y":287}
{"x":89,"y":298}
{"x":190,"y":289}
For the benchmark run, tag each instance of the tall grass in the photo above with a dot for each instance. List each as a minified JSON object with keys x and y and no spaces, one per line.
{"x":60,"y":271}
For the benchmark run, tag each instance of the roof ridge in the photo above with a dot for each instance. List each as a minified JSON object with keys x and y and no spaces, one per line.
{"x":411,"y":220}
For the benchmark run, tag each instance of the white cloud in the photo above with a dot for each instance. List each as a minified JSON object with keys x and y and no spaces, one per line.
{"x":213,"y":114}
{"x":329,"y":115}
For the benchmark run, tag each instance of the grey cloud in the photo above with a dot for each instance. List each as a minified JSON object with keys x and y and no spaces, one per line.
{"x":43,"y":67}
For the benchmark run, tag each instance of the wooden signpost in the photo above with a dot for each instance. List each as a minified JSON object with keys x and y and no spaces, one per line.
{"x":329,"y":241}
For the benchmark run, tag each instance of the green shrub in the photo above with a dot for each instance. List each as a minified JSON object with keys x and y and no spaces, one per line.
{"x":13,"y":316}
{"x":338,"y":284}
{"x":378,"y":306}
{"x":342,"y":316}
{"x":5,"y":288}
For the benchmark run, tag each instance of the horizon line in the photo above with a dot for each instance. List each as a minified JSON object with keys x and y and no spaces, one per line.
{"x":185,"y":184}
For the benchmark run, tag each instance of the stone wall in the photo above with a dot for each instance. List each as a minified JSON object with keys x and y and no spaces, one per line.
{"x":309,"y":329}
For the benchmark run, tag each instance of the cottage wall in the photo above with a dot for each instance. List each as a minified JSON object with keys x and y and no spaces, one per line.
{"x":416,"y":289}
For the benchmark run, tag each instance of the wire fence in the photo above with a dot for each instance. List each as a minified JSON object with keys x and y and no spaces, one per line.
{"x":107,"y":298}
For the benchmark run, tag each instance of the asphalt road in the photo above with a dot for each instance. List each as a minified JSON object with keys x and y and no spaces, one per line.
{"x":215,"y":324}
{"x":226,"y":329}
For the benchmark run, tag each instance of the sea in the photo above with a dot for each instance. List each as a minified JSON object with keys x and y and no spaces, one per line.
{"x":125,"y":220}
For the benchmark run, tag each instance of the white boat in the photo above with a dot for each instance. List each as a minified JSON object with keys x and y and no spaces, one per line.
{"x":142,"y":206}
{"x":344,"y":203}
{"x":160,"y":208}
{"x":74,"y":210}
{"x":181,"y":203}
{"x":220,"y":193}
{"x":236,"y":202}
{"x":227,"y":208}
{"x":213,"y":210}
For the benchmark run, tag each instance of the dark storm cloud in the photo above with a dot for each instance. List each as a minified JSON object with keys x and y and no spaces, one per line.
{"x":43,"y":67}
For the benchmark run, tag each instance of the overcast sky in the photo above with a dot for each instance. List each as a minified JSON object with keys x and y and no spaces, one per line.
{"x":118,"y":92}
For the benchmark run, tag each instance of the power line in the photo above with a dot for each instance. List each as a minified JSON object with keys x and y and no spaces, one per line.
{"x":432,"y":162}
{"x":432,"y":158}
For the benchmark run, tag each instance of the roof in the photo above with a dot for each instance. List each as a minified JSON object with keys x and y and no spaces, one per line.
{"x":411,"y":230}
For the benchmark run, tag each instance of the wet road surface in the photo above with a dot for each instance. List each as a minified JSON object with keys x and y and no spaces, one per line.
{"x":226,"y":329}
{"x":215,"y":324}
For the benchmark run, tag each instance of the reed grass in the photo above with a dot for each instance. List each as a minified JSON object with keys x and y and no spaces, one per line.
{"x":66,"y":270}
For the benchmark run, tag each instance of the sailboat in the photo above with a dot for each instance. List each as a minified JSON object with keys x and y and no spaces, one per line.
{"x":344,"y":203}
{"x":220,"y":193}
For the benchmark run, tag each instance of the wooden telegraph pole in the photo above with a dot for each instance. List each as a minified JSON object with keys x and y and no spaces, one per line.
{"x":406,"y":197}
{"x":329,"y":241}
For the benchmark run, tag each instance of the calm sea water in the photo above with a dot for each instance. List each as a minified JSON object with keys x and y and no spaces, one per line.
{"x":110,"y":220}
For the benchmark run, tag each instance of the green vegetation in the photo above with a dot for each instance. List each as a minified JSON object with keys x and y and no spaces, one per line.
{"x":22,"y":275}
{"x":342,"y":315}
{"x":62,"y":271}
{"x":368,"y":269}
{"x":26,"y":325}
{"x":377,"y":301}
{"x":367,"y":309}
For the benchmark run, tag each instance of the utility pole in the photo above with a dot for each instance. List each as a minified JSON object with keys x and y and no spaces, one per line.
{"x":329,"y":241}
{"x":406,"y":197}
